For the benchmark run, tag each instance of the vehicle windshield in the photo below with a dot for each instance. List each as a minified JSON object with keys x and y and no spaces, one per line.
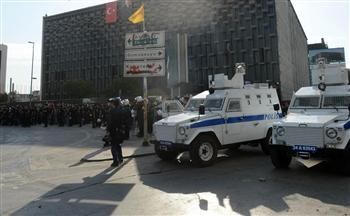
{"x":173,"y":107}
{"x":193,"y":104}
{"x":214,"y":104}
{"x":336,"y":101}
{"x":306,"y":102}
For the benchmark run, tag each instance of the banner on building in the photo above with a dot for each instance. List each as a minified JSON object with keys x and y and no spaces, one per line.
{"x":111,"y":14}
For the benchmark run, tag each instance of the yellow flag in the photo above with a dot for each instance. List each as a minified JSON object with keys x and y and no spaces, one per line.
{"x":138,"y":16}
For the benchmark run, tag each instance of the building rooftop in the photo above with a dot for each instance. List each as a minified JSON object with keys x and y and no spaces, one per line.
{"x":317,"y":46}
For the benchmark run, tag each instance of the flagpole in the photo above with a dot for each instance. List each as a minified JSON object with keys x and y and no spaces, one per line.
{"x":145,"y":101}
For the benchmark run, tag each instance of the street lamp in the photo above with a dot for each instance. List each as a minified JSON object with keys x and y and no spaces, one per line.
{"x":31,"y":77}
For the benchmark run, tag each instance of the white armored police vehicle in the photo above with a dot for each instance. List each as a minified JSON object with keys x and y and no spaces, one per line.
{"x":232,"y":114}
{"x":317,"y":124}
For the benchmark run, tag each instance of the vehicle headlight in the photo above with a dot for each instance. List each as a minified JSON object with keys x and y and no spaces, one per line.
{"x":331,"y":133}
{"x":182,"y":130}
{"x":280,"y":131}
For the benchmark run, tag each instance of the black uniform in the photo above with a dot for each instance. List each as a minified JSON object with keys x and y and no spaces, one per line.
{"x":139,"y":118}
{"x":115,"y":129}
{"x":127,"y":120}
{"x":45,"y":116}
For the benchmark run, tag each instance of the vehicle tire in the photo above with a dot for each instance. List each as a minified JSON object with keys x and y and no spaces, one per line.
{"x":280,"y":158}
{"x":266,"y":142}
{"x":165,"y":155}
{"x":204,"y":151}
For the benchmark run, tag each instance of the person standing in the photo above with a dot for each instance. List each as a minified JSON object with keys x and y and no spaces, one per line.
{"x":115,"y":129}
{"x":127,"y":119}
{"x":45,"y":115}
{"x":139,"y":115}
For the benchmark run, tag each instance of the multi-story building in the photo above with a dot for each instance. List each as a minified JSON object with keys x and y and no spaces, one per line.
{"x":3,"y":62}
{"x":264,"y":34}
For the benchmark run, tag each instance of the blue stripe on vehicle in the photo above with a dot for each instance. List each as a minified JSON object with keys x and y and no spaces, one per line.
{"x":347,"y":125}
{"x":231,"y":120}
{"x":210,"y":122}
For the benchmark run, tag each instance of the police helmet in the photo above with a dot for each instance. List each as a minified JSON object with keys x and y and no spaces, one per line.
{"x":115,"y":100}
{"x":138,"y":99}
{"x":125,"y":102}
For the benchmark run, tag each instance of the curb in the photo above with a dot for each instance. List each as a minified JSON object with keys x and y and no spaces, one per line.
{"x":108,"y":159}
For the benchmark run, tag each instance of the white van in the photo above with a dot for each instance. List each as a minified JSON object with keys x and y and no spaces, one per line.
{"x":233,"y":114}
{"x":317,"y":125}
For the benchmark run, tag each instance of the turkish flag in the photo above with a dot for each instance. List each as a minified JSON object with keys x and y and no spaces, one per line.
{"x":111,"y":12}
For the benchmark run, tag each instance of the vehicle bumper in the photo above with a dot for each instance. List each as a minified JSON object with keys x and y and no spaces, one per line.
{"x":321,"y":153}
{"x":169,"y":146}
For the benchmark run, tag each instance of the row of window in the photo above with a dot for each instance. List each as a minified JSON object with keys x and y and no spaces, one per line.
{"x":234,"y":104}
{"x":328,"y":102}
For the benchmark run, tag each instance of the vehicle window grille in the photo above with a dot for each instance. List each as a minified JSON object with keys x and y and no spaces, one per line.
{"x":234,"y":106}
{"x":306,"y":102}
{"x":336,"y":101}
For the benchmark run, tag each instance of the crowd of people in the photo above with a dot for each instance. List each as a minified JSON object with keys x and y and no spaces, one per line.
{"x":118,"y":116}
{"x":53,"y":114}
{"x":65,"y":114}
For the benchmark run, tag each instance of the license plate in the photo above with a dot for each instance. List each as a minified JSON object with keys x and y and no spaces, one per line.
{"x":164,"y":142}
{"x":163,"y":147}
{"x":305,"y":148}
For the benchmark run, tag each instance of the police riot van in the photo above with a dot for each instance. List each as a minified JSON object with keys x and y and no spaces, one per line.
{"x":317,"y":125}
{"x":232,"y":114}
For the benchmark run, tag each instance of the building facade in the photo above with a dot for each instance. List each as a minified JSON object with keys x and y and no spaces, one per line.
{"x":264,"y":34}
{"x":3,"y":62}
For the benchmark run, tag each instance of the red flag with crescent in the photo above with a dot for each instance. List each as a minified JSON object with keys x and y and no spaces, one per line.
{"x":111,"y":12}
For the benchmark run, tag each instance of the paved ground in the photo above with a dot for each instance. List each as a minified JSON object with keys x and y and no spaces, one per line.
{"x":42,"y":174}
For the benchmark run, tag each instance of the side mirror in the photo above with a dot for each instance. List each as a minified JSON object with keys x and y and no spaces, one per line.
{"x":322,"y":86}
{"x":168,"y":108}
{"x":201,"y":109}
{"x":276,"y":107}
{"x":211,"y":90}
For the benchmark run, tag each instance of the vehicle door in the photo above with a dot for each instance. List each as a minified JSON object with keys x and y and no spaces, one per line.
{"x":233,"y":130}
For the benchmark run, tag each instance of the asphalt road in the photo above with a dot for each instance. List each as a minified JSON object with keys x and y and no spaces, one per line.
{"x":41,"y":175}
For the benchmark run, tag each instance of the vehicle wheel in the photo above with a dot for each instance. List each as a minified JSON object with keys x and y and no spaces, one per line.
{"x":165,"y":155}
{"x":204,"y":151}
{"x":265,"y":144}
{"x":280,"y":158}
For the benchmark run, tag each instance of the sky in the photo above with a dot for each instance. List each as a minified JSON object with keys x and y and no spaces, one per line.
{"x":21,"y":21}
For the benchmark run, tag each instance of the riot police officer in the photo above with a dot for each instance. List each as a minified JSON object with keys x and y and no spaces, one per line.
{"x":127,"y":118}
{"x":139,"y":114}
{"x":115,"y":129}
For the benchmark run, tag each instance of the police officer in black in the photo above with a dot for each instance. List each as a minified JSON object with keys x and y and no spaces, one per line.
{"x":115,"y":128}
{"x":45,"y":116}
